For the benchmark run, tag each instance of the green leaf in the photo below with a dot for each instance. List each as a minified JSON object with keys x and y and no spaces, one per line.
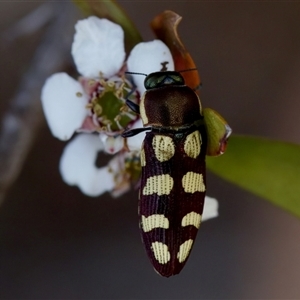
{"x":110,"y":10}
{"x":269,"y":169}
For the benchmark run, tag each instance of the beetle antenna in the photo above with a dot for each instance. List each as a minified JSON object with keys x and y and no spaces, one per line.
{"x":133,"y":106}
{"x":187,"y":70}
{"x":199,"y":86}
{"x":136,"y":73}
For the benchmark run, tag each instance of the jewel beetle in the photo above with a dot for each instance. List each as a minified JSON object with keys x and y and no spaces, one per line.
{"x":173,"y":181}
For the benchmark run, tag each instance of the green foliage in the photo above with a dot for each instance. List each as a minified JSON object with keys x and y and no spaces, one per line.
{"x":269,"y":169}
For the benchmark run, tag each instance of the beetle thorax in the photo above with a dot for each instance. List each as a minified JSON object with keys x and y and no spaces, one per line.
{"x":170,"y":106}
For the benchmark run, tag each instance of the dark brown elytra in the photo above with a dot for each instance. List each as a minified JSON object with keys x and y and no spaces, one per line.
{"x":175,"y":205}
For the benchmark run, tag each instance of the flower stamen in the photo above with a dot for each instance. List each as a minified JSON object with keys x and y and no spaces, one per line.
{"x":107,"y":104}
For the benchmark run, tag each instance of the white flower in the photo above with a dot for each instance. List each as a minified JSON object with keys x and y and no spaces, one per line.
{"x":63,"y":100}
{"x":98,"y":47}
{"x":77,"y":166}
{"x":86,"y":105}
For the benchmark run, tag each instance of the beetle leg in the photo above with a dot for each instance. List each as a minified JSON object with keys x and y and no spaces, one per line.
{"x":133,"y":106}
{"x":135,"y":131}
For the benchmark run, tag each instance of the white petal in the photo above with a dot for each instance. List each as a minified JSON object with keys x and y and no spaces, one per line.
{"x":112,"y":144}
{"x":64,"y":101}
{"x":148,"y":57}
{"x":77,"y":166}
{"x":98,"y":46}
{"x":117,"y":167}
{"x":211,"y":207}
{"x":134,"y":143}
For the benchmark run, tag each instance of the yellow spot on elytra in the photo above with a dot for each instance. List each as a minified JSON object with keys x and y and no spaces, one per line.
{"x":191,"y":218}
{"x":154,"y":221}
{"x":184,"y":250}
{"x":193,"y":182}
{"x":192,"y":144}
{"x":143,"y":111}
{"x":159,"y":184}
{"x":143,"y":158}
{"x":163,"y":146}
{"x":161,"y":252}
{"x":79,"y":94}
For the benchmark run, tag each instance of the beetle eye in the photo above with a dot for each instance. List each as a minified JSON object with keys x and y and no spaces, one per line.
{"x":177,"y":79}
{"x":159,"y":79}
{"x":152,"y":81}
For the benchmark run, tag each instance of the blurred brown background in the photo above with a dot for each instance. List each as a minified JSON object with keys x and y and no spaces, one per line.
{"x":56,"y":243}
